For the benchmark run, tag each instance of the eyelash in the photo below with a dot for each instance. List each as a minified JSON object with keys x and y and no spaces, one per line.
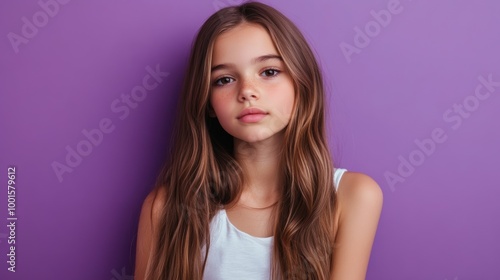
{"x":272,"y":69}
{"x":217,"y":81}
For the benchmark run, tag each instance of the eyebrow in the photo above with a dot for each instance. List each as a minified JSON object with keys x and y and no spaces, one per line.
{"x":255,"y":60}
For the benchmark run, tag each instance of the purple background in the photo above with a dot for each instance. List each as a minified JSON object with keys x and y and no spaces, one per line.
{"x":440,"y":222}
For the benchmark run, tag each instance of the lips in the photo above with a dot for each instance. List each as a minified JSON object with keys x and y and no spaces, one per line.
{"x":251,"y":111}
{"x":251,"y":114}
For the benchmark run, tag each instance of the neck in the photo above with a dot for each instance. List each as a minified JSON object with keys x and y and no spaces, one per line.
{"x":261,"y":168}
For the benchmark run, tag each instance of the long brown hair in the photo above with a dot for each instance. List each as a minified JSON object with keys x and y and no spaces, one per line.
{"x":201,"y":174}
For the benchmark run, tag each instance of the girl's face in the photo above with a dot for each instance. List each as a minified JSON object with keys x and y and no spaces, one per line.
{"x":247,"y":72}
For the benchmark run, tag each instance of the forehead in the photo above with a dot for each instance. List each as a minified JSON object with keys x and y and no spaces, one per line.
{"x":242,"y":43}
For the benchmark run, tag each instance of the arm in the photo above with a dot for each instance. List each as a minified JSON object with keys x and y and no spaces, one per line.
{"x":148,"y":220}
{"x":360,"y":204}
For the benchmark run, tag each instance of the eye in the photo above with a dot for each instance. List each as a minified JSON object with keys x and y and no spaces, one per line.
{"x":222,"y":81}
{"x":270,"y":72}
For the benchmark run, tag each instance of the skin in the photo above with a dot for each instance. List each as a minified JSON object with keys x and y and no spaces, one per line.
{"x":243,"y":59}
{"x":249,"y":72}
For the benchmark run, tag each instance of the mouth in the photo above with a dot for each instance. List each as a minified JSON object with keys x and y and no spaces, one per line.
{"x":251,"y":115}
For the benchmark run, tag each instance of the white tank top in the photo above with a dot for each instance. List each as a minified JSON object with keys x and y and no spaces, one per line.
{"x":235,"y":254}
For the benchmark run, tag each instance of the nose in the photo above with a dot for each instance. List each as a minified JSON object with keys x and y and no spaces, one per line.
{"x":248,"y":92}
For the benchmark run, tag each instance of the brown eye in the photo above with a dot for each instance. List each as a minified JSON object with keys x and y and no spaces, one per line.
{"x":270,"y":72}
{"x":222,"y":81}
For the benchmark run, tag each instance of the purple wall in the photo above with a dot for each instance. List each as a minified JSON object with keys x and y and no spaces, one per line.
{"x":88,"y":88}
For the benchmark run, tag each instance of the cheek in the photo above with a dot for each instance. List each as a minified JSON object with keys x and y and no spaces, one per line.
{"x":221,"y":105}
{"x":286,"y":99}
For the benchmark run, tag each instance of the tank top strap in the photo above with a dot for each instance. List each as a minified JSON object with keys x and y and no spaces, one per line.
{"x":337,"y":175}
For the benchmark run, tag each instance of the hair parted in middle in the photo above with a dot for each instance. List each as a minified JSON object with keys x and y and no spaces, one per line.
{"x":202,"y":175}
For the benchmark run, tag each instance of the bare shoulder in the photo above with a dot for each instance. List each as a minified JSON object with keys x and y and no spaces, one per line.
{"x":358,"y":189}
{"x":154,"y":202}
{"x":151,"y":210}
{"x":360,"y":201}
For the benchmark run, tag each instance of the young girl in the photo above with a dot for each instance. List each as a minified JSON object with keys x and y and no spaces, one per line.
{"x":249,"y":190}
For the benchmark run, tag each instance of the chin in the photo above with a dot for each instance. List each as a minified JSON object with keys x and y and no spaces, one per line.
{"x":256,"y":137}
